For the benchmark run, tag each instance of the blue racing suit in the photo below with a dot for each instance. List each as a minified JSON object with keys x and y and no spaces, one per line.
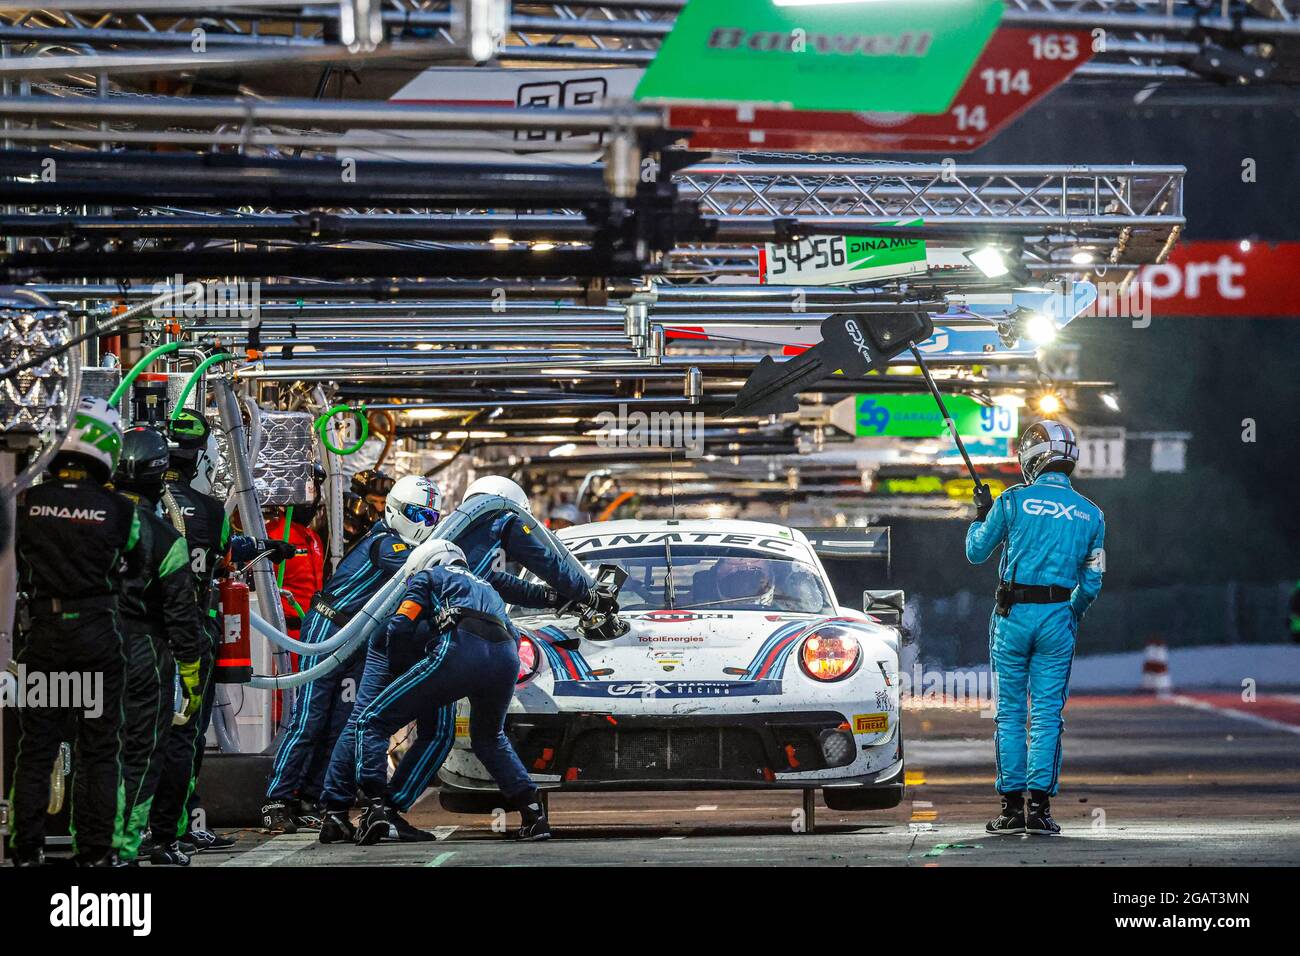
{"x":455,"y":627}
{"x":322,"y":708}
{"x":495,"y":539}
{"x":1051,"y":535}
{"x":487,"y":542}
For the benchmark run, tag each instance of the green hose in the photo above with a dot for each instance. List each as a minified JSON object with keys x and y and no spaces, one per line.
{"x":362,"y":420}
{"x":194,"y":380}
{"x":139,"y":367}
{"x":288,"y":520}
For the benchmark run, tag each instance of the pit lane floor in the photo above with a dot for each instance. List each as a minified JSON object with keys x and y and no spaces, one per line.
{"x":1193,"y":780}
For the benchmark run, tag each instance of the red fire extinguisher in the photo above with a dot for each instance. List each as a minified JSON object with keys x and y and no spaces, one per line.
{"x":234,"y":663}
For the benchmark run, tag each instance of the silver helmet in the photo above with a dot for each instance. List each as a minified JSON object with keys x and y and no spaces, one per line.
{"x":1045,"y":443}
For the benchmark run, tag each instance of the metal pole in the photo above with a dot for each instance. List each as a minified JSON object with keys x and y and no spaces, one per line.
{"x":943,"y":410}
{"x":250,"y":513}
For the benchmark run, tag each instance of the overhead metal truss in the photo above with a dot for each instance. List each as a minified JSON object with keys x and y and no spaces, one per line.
{"x":1143,"y":39}
{"x":1128,"y":213}
{"x":1123,"y":215}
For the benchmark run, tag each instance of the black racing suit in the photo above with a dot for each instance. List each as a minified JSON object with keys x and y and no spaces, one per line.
{"x":161,"y":625}
{"x":72,"y":533}
{"x":207,"y":534}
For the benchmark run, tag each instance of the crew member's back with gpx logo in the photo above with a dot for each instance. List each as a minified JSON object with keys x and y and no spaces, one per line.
{"x":1049,"y":530}
{"x":1053,"y":555}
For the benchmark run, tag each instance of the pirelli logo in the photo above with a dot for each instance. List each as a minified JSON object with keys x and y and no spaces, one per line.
{"x":870,"y":723}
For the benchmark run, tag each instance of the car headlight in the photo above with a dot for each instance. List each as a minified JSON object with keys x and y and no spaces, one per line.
{"x":530,"y":659}
{"x":830,"y":653}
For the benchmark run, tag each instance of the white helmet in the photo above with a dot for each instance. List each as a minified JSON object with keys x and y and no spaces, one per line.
{"x":502,"y":487}
{"x":95,"y":436}
{"x":442,"y":552}
{"x":413,"y":508}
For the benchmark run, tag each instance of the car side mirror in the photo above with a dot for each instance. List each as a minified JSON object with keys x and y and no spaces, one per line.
{"x":887,"y":608}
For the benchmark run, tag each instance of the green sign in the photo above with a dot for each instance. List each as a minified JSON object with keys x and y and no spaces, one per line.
{"x":829,"y":260}
{"x":893,"y":56}
{"x":917,"y":416}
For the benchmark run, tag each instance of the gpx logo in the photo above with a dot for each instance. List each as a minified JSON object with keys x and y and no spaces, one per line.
{"x":1053,"y":509}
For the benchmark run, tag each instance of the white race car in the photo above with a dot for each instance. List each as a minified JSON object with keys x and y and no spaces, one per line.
{"x":739,"y":670}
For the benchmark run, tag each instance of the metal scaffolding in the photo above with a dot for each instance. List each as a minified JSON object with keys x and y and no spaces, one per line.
{"x":1143,"y":39}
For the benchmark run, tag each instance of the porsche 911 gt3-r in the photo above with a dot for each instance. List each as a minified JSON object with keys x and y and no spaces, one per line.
{"x":739,"y":670}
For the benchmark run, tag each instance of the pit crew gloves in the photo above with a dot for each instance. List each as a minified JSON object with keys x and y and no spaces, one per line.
{"x":188,"y":672}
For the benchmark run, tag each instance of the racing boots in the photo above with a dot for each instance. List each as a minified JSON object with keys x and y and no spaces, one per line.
{"x":168,"y":854}
{"x":278,"y":818}
{"x":405,"y":832}
{"x":335,"y":827}
{"x":306,"y":814}
{"x":1038,"y":815}
{"x":206,"y":840}
{"x":533,"y":813}
{"x":29,"y":857}
{"x":99,"y":857}
{"x":376,"y":822}
{"x":382,"y":822}
{"x":1012,"y":817}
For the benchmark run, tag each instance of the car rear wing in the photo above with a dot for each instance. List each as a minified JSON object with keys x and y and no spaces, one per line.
{"x":849,"y":544}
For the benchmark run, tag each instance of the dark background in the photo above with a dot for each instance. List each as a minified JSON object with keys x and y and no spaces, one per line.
{"x":1210,"y":555}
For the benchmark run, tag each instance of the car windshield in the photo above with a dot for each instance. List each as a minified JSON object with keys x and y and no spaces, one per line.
{"x":681,"y":576}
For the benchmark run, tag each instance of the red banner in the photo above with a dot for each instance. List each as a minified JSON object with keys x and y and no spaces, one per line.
{"x":1230,"y":279}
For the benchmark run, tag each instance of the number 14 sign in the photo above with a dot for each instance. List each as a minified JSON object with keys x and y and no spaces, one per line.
{"x":1018,"y":67}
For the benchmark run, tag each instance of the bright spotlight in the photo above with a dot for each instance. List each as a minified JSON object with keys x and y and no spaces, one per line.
{"x":1244,"y":245}
{"x":989,"y":260}
{"x":1110,"y":401}
{"x":1083,"y":258}
{"x":1049,"y":404}
{"x":1041,"y":328}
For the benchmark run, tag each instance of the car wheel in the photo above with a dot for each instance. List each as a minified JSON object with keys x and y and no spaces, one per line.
{"x":847,"y":798}
{"x":463,"y":802}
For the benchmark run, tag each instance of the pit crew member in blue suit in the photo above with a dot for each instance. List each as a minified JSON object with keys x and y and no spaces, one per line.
{"x":321,"y":710}
{"x":490,"y":540}
{"x":1053,"y":555}
{"x":470,"y":649}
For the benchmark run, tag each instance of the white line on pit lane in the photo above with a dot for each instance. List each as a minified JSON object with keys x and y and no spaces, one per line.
{"x":273,"y":850}
{"x":1229,"y":712}
{"x":631,"y":811}
{"x":707,"y":806}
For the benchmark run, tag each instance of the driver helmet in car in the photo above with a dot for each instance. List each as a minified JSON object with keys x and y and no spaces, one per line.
{"x":801,"y":592}
{"x":746,"y":577}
